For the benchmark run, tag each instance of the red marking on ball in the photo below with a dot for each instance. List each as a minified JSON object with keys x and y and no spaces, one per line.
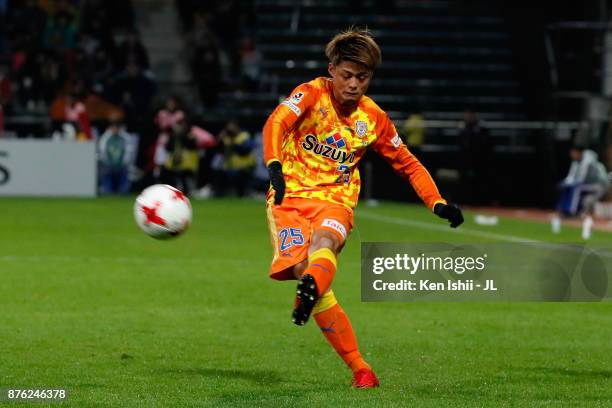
{"x":178,"y":194}
{"x":151,"y":214}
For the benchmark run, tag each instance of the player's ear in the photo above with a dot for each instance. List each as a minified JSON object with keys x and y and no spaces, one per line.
{"x":331,"y":69}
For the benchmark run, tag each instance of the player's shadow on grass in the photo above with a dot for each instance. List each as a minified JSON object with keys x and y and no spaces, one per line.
{"x":259,"y":377}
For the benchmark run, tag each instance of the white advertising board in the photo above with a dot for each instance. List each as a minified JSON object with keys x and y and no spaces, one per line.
{"x":47,"y":168}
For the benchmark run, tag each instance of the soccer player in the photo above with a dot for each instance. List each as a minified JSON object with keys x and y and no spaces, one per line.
{"x":313,"y":142}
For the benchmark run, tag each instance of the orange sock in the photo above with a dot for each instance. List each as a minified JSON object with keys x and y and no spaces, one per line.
{"x":336,"y":327}
{"x":322,"y":267}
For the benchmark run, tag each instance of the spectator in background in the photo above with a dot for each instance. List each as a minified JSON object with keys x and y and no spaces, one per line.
{"x":50,"y":77}
{"x":67,"y":109}
{"x":238,"y":160}
{"x":414,"y":131}
{"x":24,"y":70}
{"x":60,"y":32}
{"x":206,"y":143}
{"x":131,"y":51}
{"x":88,"y":44}
{"x":19,"y":57}
{"x":201,"y":31}
{"x":586,"y":183}
{"x":250,"y":64}
{"x":475,"y":148}
{"x":169,"y":115}
{"x":166,"y":118}
{"x":103,"y":69}
{"x":204,"y":140}
{"x":101,"y":111}
{"x":116,"y":155}
{"x":99,"y":22}
{"x":207,"y":70}
{"x":182,"y":160}
{"x":219,"y":59}
{"x":134,"y":92}
{"x":6,"y":87}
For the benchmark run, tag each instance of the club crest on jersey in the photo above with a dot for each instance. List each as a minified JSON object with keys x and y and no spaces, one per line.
{"x":331,"y":149}
{"x":361,"y":128}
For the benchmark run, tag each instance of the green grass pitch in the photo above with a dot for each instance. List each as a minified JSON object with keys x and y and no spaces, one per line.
{"x":89,"y":303}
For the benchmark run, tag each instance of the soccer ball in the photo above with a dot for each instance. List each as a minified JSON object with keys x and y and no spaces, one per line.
{"x":162,"y":211}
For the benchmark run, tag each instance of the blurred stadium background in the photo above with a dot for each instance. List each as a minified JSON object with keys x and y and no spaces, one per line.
{"x":536,"y":77}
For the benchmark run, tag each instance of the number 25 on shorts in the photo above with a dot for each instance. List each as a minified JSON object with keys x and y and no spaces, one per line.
{"x":289,"y":237}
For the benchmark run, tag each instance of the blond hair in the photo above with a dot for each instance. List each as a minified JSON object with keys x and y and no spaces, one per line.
{"x":356,"y":45}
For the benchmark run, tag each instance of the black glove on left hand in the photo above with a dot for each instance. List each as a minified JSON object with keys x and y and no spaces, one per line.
{"x":275,"y":171}
{"x":449,"y":212}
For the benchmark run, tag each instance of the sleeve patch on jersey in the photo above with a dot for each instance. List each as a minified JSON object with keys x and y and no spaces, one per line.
{"x":396,"y":141}
{"x":297,"y":98}
{"x":293,"y":107}
{"x":335,"y":225}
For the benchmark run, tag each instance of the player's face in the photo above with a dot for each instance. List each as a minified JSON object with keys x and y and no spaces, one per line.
{"x":350,"y":81}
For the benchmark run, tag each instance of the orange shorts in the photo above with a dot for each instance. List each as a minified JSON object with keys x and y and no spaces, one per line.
{"x":292,"y":224}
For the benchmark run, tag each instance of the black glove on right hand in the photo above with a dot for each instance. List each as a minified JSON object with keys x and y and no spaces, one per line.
{"x":275,"y":171}
{"x":449,"y":212}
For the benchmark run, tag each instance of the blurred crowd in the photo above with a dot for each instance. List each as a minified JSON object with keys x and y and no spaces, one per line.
{"x":201,"y":163}
{"x":183,"y":154}
{"x":82,"y":65}
{"x":77,"y":60}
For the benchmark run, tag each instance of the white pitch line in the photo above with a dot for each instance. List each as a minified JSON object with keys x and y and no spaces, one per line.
{"x":483,"y":234}
{"x":468,"y":231}
{"x":445,"y":228}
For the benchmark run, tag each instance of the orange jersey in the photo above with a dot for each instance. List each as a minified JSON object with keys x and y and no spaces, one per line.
{"x":319,"y":148}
